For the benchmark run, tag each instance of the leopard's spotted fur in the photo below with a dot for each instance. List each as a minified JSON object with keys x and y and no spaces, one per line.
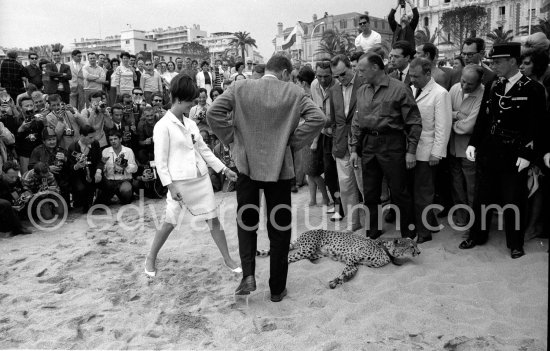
{"x":351,"y":249}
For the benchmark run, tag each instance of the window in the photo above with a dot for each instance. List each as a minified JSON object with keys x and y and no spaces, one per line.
{"x":383,"y":24}
{"x":502,"y":10}
{"x":426,"y":22}
{"x":306,"y":29}
{"x":343,"y":24}
{"x":144,"y":47}
{"x":355,"y":22}
{"x":317,"y":29}
{"x":533,"y":14}
{"x":127,"y":41}
{"x":375,"y":24}
{"x":447,"y":1}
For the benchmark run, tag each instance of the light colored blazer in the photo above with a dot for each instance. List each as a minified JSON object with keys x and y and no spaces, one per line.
{"x":434,"y":103}
{"x":176,"y":156}
{"x":264,"y":125}
{"x":200,"y":79}
{"x":465,"y":111}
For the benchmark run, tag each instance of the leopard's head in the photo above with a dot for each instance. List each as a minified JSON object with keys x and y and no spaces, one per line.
{"x":401,"y":246}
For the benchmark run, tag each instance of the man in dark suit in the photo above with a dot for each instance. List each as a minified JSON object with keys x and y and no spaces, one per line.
{"x":400,"y":56}
{"x":502,"y":146}
{"x":473,"y":51}
{"x":405,"y":30}
{"x":56,"y":78}
{"x":343,"y":101}
{"x":263,"y":127}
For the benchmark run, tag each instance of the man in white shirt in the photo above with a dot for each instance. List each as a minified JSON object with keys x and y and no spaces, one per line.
{"x":368,"y":38}
{"x":76,"y":83}
{"x":94,"y":77}
{"x":434,"y":103}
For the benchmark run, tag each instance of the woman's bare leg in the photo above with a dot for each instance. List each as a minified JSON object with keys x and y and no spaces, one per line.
{"x":218,"y":234}
{"x":159,"y":240}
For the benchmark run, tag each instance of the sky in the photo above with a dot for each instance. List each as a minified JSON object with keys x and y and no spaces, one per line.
{"x":25,"y":23}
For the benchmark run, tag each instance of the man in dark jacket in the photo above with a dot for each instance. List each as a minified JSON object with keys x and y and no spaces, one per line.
{"x":405,"y":30}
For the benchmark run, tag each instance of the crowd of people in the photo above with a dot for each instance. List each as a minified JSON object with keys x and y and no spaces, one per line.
{"x":372,"y":128}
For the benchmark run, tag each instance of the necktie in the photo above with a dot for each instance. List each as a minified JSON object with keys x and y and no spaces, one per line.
{"x":418,"y":91}
{"x":400,"y":75}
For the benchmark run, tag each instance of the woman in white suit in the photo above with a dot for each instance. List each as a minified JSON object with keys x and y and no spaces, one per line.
{"x":205,"y":80}
{"x":181,"y":159}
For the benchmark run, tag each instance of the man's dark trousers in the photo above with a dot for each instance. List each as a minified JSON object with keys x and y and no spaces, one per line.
{"x":384,"y":155}
{"x":279,"y":219}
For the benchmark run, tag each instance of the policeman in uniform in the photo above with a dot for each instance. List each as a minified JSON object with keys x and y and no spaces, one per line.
{"x":503,"y":147}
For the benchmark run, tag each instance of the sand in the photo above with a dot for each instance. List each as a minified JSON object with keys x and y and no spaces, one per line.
{"x":84,"y":288}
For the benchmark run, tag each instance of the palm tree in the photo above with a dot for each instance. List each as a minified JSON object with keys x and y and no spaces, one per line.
{"x":241,"y":40}
{"x":498,"y":36}
{"x":424,"y":36}
{"x":543,"y":26}
{"x":335,"y":42}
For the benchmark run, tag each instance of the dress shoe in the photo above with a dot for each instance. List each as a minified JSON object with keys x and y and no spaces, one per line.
{"x":517,"y":253}
{"x":390,"y":216}
{"x":467,"y":244}
{"x":235,"y":270}
{"x":336,"y":217}
{"x":294,"y":189}
{"x":279,"y":297}
{"x":423,"y":239}
{"x":247,"y":285}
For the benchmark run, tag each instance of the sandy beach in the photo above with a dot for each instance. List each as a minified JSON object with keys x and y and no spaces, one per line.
{"x":84,"y":288}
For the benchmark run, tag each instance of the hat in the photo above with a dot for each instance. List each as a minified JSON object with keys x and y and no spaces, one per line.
{"x":537,"y":41}
{"x":47,"y":133}
{"x":505,"y":50}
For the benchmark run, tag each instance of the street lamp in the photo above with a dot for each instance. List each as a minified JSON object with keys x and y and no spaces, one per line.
{"x":311,"y":39}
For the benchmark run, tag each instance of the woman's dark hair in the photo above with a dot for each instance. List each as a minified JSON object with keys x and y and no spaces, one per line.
{"x":239,"y":75}
{"x":114,"y":132}
{"x":41,"y":168}
{"x":306,"y":74}
{"x":115,"y":60}
{"x":183,"y":88}
{"x":123,"y":54}
{"x":218,"y":89}
{"x":202,"y":90}
{"x":461,"y":60}
{"x":238,"y":65}
{"x":204,"y":63}
{"x":86,"y":130}
{"x":170,"y":62}
{"x":539,"y":59}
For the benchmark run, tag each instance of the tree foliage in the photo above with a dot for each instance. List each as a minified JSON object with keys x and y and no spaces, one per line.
{"x":45,"y":51}
{"x":241,"y":40}
{"x":498,"y":36}
{"x":195,"y":51}
{"x":543,"y":26}
{"x":335,"y":42}
{"x":462,"y":22}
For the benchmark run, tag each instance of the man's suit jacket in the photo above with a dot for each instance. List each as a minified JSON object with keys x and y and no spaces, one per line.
{"x":53,"y":77}
{"x":395,"y":74}
{"x":488,"y":76}
{"x":265,"y":125}
{"x":341,"y":121}
{"x":434,"y":103}
{"x":200,"y":79}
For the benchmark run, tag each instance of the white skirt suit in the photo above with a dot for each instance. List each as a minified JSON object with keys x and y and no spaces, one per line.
{"x":181,"y":158}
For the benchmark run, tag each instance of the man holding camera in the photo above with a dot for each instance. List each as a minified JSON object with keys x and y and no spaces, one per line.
{"x":94,"y":77}
{"x":55,"y":158}
{"x":98,"y":117}
{"x":123,"y":122}
{"x":12,"y":194}
{"x":64,"y":120}
{"x":29,"y":134}
{"x":405,"y":30}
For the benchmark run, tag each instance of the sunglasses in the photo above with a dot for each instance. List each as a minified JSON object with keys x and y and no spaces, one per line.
{"x":34,"y":58}
{"x":157,"y":100}
{"x":468,"y":54}
{"x":362,"y":23}
{"x":341,"y":75}
{"x":138,"y":94}
{"x":148,"y":64}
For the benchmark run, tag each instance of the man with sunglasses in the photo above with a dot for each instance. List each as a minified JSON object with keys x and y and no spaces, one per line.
{"x":34,"y":73}
{"x":343,"y":101}
{"x":367,"y":38}
{"x":473,"y":51}
{"x":150,"y":81}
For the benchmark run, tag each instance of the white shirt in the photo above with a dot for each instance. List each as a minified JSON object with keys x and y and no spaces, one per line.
{"x":346,"y":91}
{"x":511,"y":81}
{"x":110,"y":172}
{"x":368,"y":42}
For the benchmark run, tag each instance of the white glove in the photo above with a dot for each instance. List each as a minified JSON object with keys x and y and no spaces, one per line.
{"x":547,"y":160}
{"x":522,"y":164}
{"x":471,"y":153}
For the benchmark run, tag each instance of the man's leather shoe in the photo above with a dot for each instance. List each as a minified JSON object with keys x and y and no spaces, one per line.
{"x":467,"y":244}
{"x":278,"y":298}
{"x":517,"y":253}
{"x":294,"y":188}
{"x":247,"y":285}
{"x":423,"y":239}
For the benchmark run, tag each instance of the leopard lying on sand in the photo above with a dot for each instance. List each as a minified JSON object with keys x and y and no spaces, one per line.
{"x":351,"y":249}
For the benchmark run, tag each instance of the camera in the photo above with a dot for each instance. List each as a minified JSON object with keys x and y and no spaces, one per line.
{"x":68,"y":132}
{"x":80,"y":156}
{"x":121,"y":161}
{"x":402,"y":3}
{"x":102,"y":105}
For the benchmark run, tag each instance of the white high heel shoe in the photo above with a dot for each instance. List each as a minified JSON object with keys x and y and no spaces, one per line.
{"x":235,"y":270}
{"x":149,"y":273}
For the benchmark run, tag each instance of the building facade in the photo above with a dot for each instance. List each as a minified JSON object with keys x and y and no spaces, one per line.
{"x":171,"y":39}
{"x":309,"y":35}
{"x":503,"y":14}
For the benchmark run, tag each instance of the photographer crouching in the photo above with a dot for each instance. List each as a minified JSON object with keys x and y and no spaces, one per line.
{"x":12,"y":196}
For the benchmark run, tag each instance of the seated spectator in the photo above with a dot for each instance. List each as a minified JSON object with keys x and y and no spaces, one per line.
{"x":41,"y":183}
{"x":31,"y":88}
{"x":145,"y":136}
{"x":29,"y":134}
{"x":11,"y":190}
{"x":198,"y":114}
{"x":98,"y":117}
{"x":119,"y":167}
{"x":65,"y":121}
{"x":55,"y":158}
{"x":85,"y":167}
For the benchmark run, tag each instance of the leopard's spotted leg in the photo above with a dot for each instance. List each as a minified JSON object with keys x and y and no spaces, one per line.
{"x":301,"y":253}
{"x":348,"y":273}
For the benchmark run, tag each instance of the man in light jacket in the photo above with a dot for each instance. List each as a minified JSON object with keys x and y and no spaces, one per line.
{"x":262,"y":128}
